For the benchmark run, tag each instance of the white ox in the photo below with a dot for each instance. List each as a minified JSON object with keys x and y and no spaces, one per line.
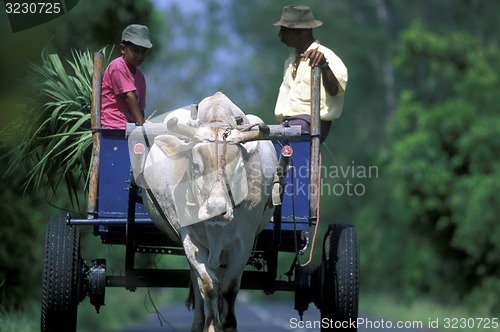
{"x":212,"y":184}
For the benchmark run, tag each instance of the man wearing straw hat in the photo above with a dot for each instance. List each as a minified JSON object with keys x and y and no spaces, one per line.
{"x":293,"y":105}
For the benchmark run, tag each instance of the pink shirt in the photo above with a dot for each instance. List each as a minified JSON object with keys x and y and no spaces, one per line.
{"x":116,"y":81}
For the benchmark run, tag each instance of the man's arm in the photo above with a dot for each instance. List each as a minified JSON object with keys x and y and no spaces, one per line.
{"x":317,"y":59}
{"x":330,"y":82}
{"x":133,"y":106}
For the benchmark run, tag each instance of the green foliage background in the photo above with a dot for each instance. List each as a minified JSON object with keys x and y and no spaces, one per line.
{"x":420,"y":106}
{"x":444,"y":156}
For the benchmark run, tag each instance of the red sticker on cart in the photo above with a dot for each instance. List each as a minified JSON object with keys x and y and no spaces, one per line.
{"x":139,"y":148}
{"x":287,"y":151}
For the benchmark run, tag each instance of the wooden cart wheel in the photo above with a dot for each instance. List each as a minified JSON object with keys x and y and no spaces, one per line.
{"x":340,"y":289}
{"x":61,"y":277}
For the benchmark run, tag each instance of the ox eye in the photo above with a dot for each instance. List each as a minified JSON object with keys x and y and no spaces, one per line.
{"x":196,"y":168}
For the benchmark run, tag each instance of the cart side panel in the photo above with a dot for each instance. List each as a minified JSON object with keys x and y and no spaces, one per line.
{"x":115,"y":176}
{"x":294,"y":207}
{"x":296,"y":189}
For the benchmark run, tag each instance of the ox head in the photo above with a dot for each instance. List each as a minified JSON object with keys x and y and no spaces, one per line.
{"x":214,"y":179}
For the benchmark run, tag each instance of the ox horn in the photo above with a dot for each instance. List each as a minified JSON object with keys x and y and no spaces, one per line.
{"x":255,"y":135}
{"x":181,"y":128}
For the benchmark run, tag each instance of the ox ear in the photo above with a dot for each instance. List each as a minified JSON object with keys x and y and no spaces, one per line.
{"x":169,"y":144}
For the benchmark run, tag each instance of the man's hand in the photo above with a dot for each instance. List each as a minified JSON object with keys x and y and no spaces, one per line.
{"x":316,"y":58}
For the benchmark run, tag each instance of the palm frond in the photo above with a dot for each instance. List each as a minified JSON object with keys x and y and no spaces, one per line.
{"x":55,"y":139}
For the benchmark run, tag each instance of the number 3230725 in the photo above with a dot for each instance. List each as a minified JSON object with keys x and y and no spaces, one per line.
{"x":471,"y":323}
{"x":32,"y":8}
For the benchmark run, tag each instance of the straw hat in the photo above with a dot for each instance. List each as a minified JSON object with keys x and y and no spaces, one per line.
{"x":298,"y":17}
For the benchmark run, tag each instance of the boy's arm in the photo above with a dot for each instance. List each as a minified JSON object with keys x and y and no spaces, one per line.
{"x":133,"y":106}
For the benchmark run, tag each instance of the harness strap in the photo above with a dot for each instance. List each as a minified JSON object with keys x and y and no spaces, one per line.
{"x":146,"y":140}
{"x":223,"y":166}
{"x":150,"y":192}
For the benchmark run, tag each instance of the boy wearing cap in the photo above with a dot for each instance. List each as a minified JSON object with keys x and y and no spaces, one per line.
{"x":293,"y":105}
{"x":123,"y":96}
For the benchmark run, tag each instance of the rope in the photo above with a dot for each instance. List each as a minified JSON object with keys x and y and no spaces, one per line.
{"x":159,"y":315}
{"x":317,"y":220}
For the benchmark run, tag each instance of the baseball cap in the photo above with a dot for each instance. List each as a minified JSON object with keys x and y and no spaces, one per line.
{"x":138,"y":35}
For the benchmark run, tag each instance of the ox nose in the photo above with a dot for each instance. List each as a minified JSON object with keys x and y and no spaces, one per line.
{"x":213,"y":207}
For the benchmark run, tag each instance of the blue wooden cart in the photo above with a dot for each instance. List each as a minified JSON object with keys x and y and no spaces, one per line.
{"x":118,"y":217}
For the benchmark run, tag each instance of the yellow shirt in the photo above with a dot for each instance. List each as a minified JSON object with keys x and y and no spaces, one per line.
{"x":294,"y":96}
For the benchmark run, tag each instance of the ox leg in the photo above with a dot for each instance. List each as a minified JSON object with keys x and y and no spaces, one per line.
{"x":196,"y":301}
{"x":230,"y":284}
{"x":208,"y":285}
{"x":229,"y":291}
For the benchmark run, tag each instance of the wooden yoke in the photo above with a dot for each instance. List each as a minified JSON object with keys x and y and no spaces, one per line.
{"x":95,"y":120}
{"x":314,"y":186}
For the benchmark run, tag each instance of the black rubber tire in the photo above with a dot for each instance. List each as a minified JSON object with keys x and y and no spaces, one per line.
{"x":340,"y":289}
{"x":61,"y":277}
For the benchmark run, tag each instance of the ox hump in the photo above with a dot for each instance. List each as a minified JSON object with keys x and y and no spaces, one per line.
{"x":219,"y":108}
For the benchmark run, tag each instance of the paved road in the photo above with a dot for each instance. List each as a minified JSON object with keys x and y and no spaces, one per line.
{"x":261,"y":317}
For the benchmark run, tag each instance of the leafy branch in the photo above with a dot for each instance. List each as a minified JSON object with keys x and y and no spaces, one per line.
{"x":55,"y":140}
